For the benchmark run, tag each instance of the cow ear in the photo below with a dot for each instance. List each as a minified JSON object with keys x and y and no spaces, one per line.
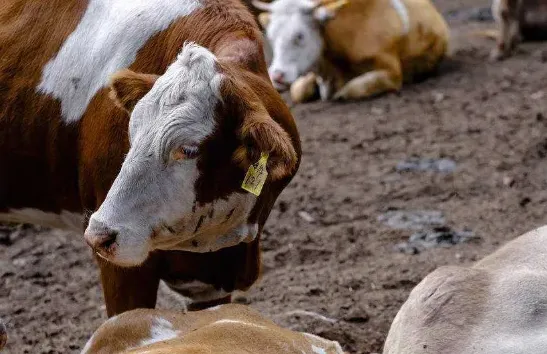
{"x":128,"y":87}
{"x":261,"y":134}
{"x":327,"y":12}
{"x":264,"y":19}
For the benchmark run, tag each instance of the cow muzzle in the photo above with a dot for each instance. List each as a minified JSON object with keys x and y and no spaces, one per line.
{"x":119,"y":245}
{"x":279,"y":81}
{"x":101,"y":239}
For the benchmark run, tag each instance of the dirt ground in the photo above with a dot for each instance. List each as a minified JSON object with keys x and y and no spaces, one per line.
{"x":325,"y":250}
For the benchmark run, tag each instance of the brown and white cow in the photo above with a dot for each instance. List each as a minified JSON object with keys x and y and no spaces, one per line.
{"x":353,"y":48}
{"x":497,"y":306}
{"x":227,"y":329}
{"x":156,"y":168}
{"x":518,"y":20}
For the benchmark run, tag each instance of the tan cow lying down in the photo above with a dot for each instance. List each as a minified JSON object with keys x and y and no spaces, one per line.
{"x":518,"y":19}
{"x":351,"y":49}
{"x":498,"y":306}
{"x":222,"y":329}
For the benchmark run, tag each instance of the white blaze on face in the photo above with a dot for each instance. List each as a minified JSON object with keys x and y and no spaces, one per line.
{"x":295,"y":37}
{"x":107,"y":39}
{"x":154,"y":194}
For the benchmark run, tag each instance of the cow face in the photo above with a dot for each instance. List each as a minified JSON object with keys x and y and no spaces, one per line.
{"x":193,"y":132}
{"x":293,"y":28}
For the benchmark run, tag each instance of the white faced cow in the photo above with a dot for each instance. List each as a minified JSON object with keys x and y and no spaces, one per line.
{"x":352,"y":48}
{"x":144,"y":118}
{"x":227,"y":329}
{"x":497,"y":306}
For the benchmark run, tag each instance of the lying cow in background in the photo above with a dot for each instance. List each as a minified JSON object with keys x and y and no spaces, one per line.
{"x":353,"y":48}
{"x":162,"y":163}
{"x":497,"y":306}
{"x":518,"y":20}
{"x":228,"y":329}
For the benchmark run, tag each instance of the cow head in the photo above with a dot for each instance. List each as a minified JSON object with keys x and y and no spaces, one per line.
{"x":194,"y":132}
{"x":293,"y":28}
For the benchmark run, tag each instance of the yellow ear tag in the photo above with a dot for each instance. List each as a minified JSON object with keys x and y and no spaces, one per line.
{"x":256,"y":175}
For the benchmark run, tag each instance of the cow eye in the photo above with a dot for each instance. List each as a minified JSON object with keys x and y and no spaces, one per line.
{"x":184,"y":152}
{"x":298,"y":38}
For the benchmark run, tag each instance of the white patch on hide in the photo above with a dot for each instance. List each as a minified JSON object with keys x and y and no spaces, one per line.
{"x":318,"y":350}
{"x":401,"y":9}
{"x":66,"y":220}
{"x":332,"y":347}
{"x":214,"y":308}
{"x":160,"y":330}
{"x":107,"y":39}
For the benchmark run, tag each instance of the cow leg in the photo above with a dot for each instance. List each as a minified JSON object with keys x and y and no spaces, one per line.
{"x":369,"y":84}
{"x":325,"y":88}
{"x":304,"y":88}
{"x":506,"y":13}
{"x":129,"y":288}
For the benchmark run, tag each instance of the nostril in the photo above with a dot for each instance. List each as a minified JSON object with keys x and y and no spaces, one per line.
{"x":108,"y":240}
{"x":278,"y":76}
{"x":101,"y":241}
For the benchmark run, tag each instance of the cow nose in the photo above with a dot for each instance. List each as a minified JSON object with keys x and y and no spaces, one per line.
{"x":99,"y":237}
{"x":101,"y":242}
{"x":278,"y":77}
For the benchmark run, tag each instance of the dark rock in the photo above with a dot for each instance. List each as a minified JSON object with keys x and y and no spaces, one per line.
{"x":356,"y":317}
{"x":525,"y":201}
{"x":315,"y":291}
